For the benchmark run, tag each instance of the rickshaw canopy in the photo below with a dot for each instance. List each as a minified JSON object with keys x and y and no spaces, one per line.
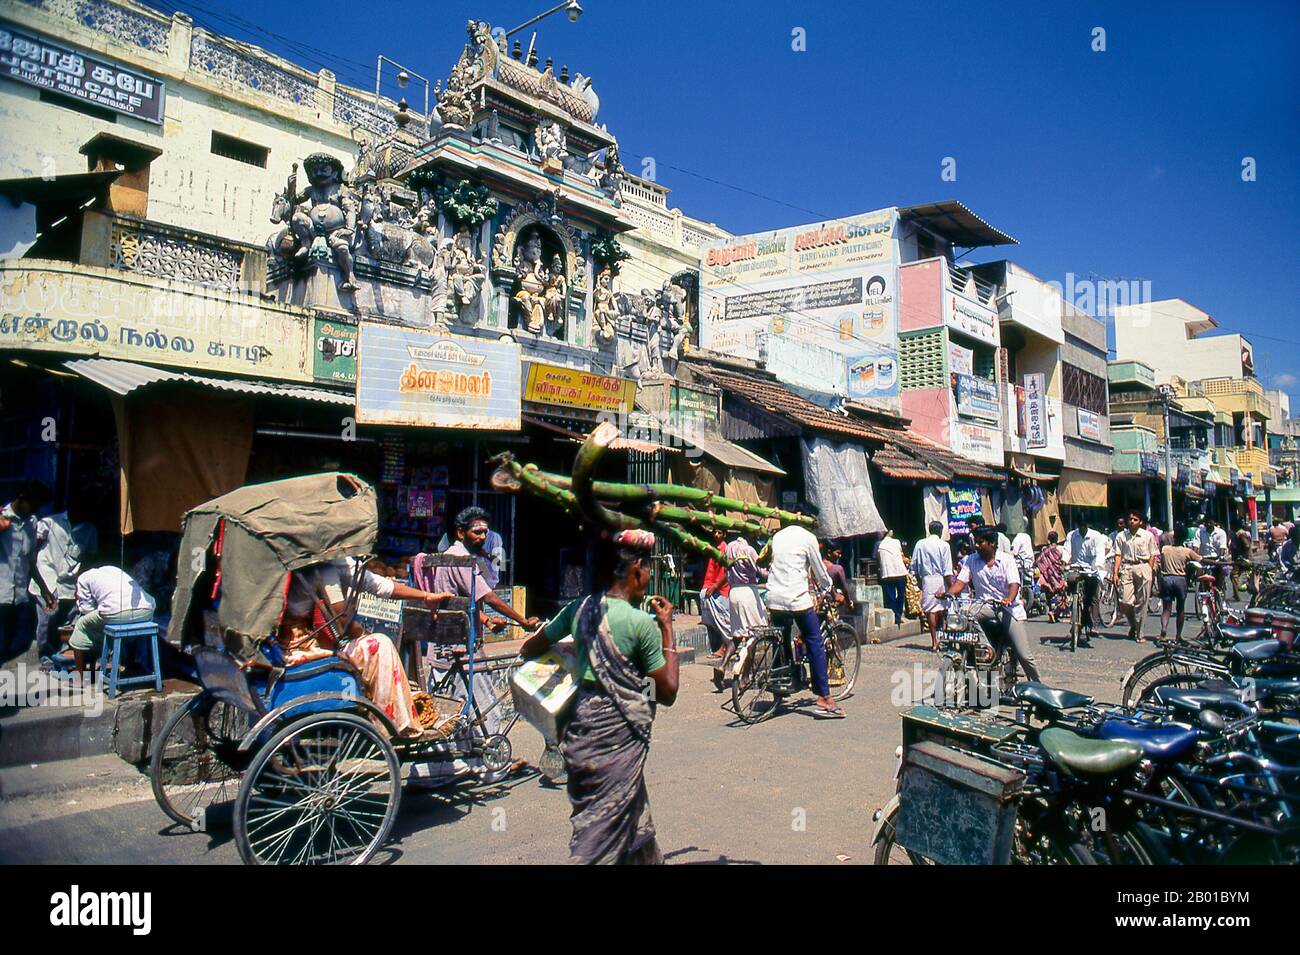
{"x":263,"y":532}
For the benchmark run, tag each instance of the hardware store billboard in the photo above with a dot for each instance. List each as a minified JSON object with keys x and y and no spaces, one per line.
{"x":411,"y":377}
{"x":30,"y":58}
{"x":809,"y":290}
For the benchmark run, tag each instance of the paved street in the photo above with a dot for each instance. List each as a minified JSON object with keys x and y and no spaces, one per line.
{"x":792,"y":790}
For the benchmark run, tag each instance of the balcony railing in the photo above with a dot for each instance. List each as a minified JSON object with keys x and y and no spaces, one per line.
{"x":161,"y":251}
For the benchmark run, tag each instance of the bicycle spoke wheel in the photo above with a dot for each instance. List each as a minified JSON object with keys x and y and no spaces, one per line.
{"x":196,"y":766}
{"x":322,"y":791}
{"x":752,"y":693}
{"x":843,"y":660}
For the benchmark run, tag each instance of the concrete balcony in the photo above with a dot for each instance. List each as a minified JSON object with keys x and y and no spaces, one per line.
{"x":1130,"y":374}
{"x":1237,"y":396}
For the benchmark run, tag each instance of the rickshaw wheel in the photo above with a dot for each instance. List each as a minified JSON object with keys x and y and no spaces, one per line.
{"x":196,"y":763}
{"x":497,"y":758}
{"x":323,"y":790}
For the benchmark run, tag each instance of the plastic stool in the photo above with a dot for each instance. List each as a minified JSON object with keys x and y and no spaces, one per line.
{"x":114,"y":634}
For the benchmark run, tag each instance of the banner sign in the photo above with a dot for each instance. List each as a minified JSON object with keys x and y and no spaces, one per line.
{"x":553,"y":385}
{"x":334,"y":351}
{"x":1089,"y":424}
{"x":407,"y":376}
{"x":49,"y":65}
{"x":961,"y":360}
{"x":963,"y":504}
{"x":978,"y":398}
{"x":1036,"y":410}
{"x":1021,"y":426}
{"x":977,"y":442}
{"x":970,"y":316}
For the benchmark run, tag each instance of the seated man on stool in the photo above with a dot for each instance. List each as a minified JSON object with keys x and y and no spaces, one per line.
{"x":105,"y":595}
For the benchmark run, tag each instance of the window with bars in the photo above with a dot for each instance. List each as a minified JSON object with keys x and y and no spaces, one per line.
{"x":1082,"y":389}
{"x":239,"y":150}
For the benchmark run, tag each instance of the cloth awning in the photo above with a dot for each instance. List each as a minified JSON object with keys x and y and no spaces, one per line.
{"x":1282,"y":495}
{"x":1082,"y":489}
{"x":124,"y":377}
{"x":726,"y":452}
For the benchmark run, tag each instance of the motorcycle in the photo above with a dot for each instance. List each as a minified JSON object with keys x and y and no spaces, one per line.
{"x":974,"y":665}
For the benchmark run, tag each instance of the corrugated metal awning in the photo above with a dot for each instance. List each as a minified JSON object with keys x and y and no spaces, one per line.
{"x":725,"y":452}
{"x":956,"y":223}
{"x":124,"y":377}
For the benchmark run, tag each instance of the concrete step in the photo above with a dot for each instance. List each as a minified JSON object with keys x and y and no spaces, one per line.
{"x":62,"y":724}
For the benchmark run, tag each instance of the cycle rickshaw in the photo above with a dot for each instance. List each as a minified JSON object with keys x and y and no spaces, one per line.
{"x":313,"y":767}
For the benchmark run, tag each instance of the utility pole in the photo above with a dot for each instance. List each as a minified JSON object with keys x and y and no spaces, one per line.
{"x":1166,"y":395}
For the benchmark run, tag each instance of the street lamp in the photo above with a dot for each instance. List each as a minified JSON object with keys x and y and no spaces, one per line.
{"x":1166,"y":396}
{"x":572,"y":6}
{"x":404,"y":77}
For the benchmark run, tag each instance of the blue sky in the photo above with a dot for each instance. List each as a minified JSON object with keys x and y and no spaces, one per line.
{"x":1125,"y":163}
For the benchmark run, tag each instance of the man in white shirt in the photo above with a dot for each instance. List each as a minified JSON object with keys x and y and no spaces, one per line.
{"x":1088,"y":547}
{"x":63,"y":542}
{"x":795,"y":555}
{"x":993,"y":575}
{"x":1004,"y":542}
{"x":1022,"y":549}
{"x":893,"y":574}
{"x":1212,"y":545}
{"x":105,"y":595}
{"x":932,"y":567}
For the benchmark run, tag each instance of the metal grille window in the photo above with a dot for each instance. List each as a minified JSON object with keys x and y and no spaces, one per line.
{"x":239,"y":150}
{"x":921,"y":361}
{"x":1083,"y":390}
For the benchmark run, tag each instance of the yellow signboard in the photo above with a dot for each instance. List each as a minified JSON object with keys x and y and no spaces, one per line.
{"x":62,"y":307}
{"x":552,"y":385}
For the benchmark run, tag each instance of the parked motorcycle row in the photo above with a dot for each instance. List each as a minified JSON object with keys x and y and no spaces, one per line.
{"x":1198,"y":764}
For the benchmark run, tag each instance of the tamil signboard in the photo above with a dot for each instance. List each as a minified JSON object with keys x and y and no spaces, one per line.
{"x":970,"y":316}
{"x":1089,"y":424}
{"x":812,"y":302}
{"x":582,"y":390}
{"x":407,"y":376}
{"x":691,"y":404}
{"x":30,"y":58}
{"x":85,"y":310}
{"x":978,"y":398}
{"x":334,"y":351}
{"x":977,"y":442}
{"x":1036,"y":410}
{"x":963,"y":505}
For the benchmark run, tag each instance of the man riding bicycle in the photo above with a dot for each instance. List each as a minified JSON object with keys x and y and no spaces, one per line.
{"x":1087,"y":549}
{"x":993,"y":575}
{"x":795,"y":555}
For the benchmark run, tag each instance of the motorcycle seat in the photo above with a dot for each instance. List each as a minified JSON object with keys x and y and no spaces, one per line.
{"x":1158,"y":741}
{"x":1238,"y":634}
{"x":1255,"y":650}
{"x":1078,"y":755}
{"x":1045,"y":697}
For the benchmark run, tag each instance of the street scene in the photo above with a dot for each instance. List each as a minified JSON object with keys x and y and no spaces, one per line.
{"x":410,"y":454}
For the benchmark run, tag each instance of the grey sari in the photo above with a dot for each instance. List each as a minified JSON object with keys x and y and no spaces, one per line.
{"x":605,"y":749}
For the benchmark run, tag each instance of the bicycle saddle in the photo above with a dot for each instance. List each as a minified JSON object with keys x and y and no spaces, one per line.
{"x":1047,"y":697}
{"x":1087,"y":757}
{"x":1193,"y":699}
{"x":1255,"y":650}
{"x":1237,"y":634}
{"x":1158,"y":741}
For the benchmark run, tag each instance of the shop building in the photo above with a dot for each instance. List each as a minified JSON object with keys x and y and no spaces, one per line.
{"x":1085,"y":418}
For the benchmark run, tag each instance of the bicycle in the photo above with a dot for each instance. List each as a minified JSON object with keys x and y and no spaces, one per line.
{"x":774,"y":669}
{"x":1074,"y":579}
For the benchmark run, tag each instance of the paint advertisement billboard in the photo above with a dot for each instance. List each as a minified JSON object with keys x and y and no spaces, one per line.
{"x":795,"y":297}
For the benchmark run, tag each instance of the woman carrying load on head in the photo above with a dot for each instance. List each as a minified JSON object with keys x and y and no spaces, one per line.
{"x":626,"y":665}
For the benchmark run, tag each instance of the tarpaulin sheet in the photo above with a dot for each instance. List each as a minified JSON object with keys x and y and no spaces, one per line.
{"x":1082,"y":488}
{"x":179,"y":447}
{"x":839,"y":483}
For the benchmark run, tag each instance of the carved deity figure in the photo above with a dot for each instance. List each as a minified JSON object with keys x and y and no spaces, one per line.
{"x":464,"y":273}
{"x":654,"y":316}
{"x":604,"y":307}
{"x":675,"y":326}
{"x":500,"y":258}
{"x":326,"y":208}
{"x":387,"y":232}
{"x":551,"y":145}
{"x":557,"y":295}
{"x":531,"y":281}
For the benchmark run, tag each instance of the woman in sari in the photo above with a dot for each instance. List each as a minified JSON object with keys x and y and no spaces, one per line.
{"x":1051,"y":574}
{"x":320,"y":590}
{"x":626,"y":665}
